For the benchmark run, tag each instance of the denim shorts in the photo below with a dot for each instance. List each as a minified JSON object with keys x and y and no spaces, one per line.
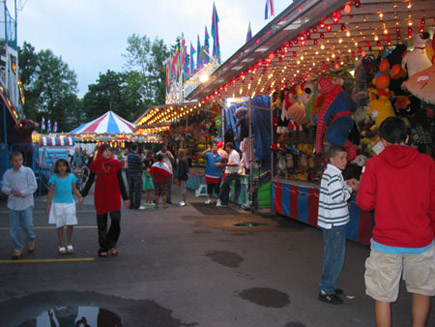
{"x":383,"y":272}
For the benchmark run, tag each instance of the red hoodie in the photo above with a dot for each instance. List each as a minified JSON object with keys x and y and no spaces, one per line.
{"x":399,"y":184}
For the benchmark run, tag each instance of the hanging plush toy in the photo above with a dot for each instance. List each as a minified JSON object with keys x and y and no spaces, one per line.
{"x":289,"y":98}
{"x":243,"y":121}
{"x":297,"y":109}
{"x":417,"y":60}
{"x":335,"y":112}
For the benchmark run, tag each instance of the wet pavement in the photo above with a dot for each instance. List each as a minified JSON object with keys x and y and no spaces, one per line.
{"x":183,"y":266}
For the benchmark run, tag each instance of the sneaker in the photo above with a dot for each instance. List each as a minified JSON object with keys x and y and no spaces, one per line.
{"x":141,"y":208}
{"x":31,"y":246}
{"x":218,"y":202}
{"x":329,"y":298}
{"x":208,"y":201}
{"x":16,"y":255}
{"x":182,"y":204}
{"x":221,"y":205}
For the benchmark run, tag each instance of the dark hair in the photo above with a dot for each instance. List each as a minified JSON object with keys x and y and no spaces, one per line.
{"x":230,"y":145}
{"x":334,"y":149}
{"x":134,"y":147}
{"x":56,"y":168}
{"x":159,"y":157}
{"x":15,"y":154}
{"x":393,"y":130}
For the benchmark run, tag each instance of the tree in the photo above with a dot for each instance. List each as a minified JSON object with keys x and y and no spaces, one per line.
{"x":148,"y":60}
{"x":50,"y":87}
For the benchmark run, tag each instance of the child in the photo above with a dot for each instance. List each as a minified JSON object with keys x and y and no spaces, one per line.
{"x":182,"y":174}
{"x":19,"y":183}
{"x":148,"y":185}
{"x":161,"y":174}
{"x":399,"y":184}
{"x":333,"y":217}
{"x":109,"y":188}
{"x":62,"y":211}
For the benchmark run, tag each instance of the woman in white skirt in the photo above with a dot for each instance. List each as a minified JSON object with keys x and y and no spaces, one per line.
{"x":60,"y":203}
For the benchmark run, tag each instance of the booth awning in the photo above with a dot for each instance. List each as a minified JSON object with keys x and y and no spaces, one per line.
{"x":109,"y":123}
{"x":312,"y":37}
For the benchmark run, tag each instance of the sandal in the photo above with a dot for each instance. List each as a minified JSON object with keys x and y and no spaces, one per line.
{"x":165,"y":206}
{"x":70,"y":249}
{"x":62,"y":250}
{"x":114,"y":252}
{"x":103,"y":254}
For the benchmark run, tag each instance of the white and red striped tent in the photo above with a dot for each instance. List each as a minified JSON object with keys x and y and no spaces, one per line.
{"x":109,"y":123}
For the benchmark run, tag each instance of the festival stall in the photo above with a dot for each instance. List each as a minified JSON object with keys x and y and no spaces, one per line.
{"x":335,"y":70}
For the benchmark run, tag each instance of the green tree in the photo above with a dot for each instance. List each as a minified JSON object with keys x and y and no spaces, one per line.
{"x":50,"y":87}
{"x":148,"y":59}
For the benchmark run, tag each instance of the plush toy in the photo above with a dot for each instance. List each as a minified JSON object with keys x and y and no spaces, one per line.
{"x":289,"y":98}
{"x":282,"y":166}
{"x":289,"y":159}
{"x":297,"y":110}
{"x":243,"y":121}
{"x":246,"y":154}
{"x":364,"y":72}
{"x":335,"y":111}
{"x":380,"y":107}
{"x":417,"y":60}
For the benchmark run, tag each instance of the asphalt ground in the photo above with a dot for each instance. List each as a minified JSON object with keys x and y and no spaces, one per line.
{"x":183,"y":266}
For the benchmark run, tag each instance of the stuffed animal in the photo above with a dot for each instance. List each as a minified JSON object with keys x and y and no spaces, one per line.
{"x":380,"y":107}
{"x":289,"y":98}
{"x":289,"y":159}
{"x":364,"y":72}
{"x":336,"y":112}
{"x":282,"y":166}
{"x":243,"y":121}
{"x":297,"y":110}
{"x":246,"y":154}
{"x":417,"y":59}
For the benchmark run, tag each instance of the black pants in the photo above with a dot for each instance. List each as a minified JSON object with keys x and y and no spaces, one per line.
{"x":224,"y":195}
{"x":213,"y":187}
{"x":108,"y":240}
{"x":134,"y":191}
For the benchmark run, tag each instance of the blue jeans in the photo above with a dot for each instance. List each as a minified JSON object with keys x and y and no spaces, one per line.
{"x":23,"y":219}
{"x":334,"y":245}
{"x":135,"y":189}
{"x":224,"y":195}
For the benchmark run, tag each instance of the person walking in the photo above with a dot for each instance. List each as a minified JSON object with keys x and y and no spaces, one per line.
{"x":134,"y":173}
{"x":213,"y":171}
{"x":60,"y":203}
{"x":399,"y":184}
{"x":169,"y":160}
{"x":231,"y":172}
{"x":332,"y":218}
{"x":19,"y":184}
{"x":109,"y":188}
{"x":183,"y":175}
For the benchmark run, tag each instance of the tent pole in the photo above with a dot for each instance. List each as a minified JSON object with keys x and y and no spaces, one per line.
{"x":251,"y":154}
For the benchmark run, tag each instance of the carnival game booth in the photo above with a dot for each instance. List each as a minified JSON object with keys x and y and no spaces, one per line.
{"x":325,"y":62}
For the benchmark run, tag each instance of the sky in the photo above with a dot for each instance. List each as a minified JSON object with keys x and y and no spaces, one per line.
{"x":91,"y":35}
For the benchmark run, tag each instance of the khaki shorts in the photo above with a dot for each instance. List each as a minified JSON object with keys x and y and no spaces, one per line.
{"x":383,"y":272}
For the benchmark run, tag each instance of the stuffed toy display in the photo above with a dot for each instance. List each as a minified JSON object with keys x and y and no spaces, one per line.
{"x":288,"y":99}
{"x":336,"y":112}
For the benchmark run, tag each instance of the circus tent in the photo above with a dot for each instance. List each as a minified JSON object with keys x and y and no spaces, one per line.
{"x":109,"y":123}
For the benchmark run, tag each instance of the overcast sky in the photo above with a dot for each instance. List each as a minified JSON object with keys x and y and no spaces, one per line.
{"x":91,"y":35}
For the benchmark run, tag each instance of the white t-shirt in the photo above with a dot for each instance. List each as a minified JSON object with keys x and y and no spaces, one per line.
{"x":233,"y":158}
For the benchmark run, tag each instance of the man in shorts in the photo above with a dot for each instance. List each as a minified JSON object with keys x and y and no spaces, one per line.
{"x":399,"y":184}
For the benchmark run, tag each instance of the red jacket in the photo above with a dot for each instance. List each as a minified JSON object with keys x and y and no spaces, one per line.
{"x":399,"y":184}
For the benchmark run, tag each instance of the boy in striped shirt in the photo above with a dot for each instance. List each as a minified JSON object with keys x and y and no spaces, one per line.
{"x":332,"y":218}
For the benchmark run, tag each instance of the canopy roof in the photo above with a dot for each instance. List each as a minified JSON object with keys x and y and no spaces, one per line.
{"x":312,"y":37}
{"x":109,"y":123}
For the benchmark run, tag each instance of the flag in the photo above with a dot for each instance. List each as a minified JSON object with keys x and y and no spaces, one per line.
{"x":161,"y":168}
{"x":192,"y":52}
{"x":198,"y":59}
{"x":49,"y":126}
{"x":55,"y":127}
{"x":183,"y":50}
{"x":206,"y":46}
{"x":215,"y":34}
{"x":168,"y":74}
{"x":249,"y":34}
{"x":43,"y":124}
{"x":269,"y":3}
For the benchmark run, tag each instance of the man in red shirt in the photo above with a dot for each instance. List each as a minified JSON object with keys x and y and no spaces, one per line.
{"x":399,"y":184}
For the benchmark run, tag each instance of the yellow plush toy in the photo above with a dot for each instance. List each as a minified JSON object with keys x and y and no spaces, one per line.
{"x":380,"y":107}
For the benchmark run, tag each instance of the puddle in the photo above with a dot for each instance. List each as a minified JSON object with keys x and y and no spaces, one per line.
{"x":226,"y":258}
{"x":266,"y":297}
{"x":250,"y":224}
{"x":75,"y":316}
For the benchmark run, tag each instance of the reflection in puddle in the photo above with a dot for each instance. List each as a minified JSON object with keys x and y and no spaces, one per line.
{"x":75,"y":316}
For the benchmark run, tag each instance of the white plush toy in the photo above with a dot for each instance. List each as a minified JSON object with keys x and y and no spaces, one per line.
{"x":417,"y":60}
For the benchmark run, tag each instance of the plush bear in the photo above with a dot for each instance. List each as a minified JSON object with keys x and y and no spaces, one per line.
{"x":364,"y":72}
{"x":297,"y":110}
